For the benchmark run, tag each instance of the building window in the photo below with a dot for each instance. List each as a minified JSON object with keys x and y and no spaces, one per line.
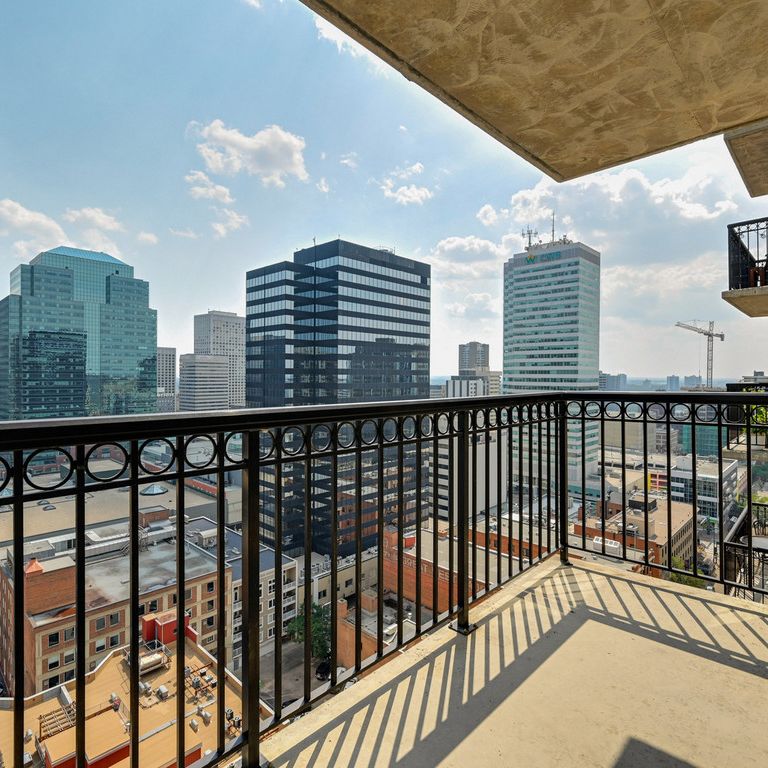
{"x":53,"y":662}
{"x":187,"y":595}
{"x":271,"y":618}
{"x":210,"y":586}
{"x":51,"y":682}
{"x":101,"y":645}
{"x":69,"y":658}
{"x":53,"y":639}
{"x":271,"y":632}
{"x":271,"y":586}
{"x":114,"y":641}
{"x":348,"y":583}
{"x":210,"y":621}
{"x":152,"y":607}
{"x":271,"y":602}
{"x":210,"y":605}
{"x":101,"y":623}
{"x":323,"y":593}
{"x":69,"y":675}
{"x":69,"y":633}
{"x":114,"y":619}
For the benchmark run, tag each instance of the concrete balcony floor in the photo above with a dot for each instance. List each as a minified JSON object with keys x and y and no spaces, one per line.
{"x":569,"y":666}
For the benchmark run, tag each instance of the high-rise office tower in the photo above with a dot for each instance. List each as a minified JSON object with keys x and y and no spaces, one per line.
{"x":223,"y":333}
{"x":552,"y":327}
{"x":473,"y":355}
{"x":77,"y":337}
{"x":203,"y":382}
{"x":166,"y":379}
{"x":340,"y":323}
{"x":673,"y":383}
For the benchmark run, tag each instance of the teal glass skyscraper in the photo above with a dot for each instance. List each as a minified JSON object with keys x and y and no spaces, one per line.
{"x":77,"y":337}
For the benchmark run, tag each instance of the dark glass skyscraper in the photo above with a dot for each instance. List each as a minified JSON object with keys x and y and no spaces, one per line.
{"x":340,"y":323}
{"x":77,"y":337}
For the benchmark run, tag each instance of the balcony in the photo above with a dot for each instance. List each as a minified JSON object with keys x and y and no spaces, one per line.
{"x":747,"y":263}
{"x":587,"y":658}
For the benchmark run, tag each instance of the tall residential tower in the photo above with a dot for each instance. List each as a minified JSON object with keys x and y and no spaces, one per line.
{"x":223,"y":333}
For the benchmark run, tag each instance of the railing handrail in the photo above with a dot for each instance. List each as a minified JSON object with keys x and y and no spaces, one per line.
{"x":35,"y":433}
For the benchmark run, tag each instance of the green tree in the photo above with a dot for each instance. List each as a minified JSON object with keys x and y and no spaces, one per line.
{"x":320,"y":622}
{"x":679,"y":578}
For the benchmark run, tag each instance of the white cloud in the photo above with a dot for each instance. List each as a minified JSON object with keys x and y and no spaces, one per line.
{"x":349,"y":159}
{"x":95,"y":240}
{"x":488,"y":216}
{"x":36,"y":230}
{"x":229,"y":222}
{"x":405,"y":194}
{"x":402,"y":128}
{"x":272,"y":153}
{"x":186,"y":233}
{"x":408,"y":171}
{"x":253,"y":3}
{"x":345,"y":44}
{"x":474,"y":306}
{"x":147,"y":237}
{"x":94,"y":217}
{"x":202,"y":188}
{"x":322,"y":185}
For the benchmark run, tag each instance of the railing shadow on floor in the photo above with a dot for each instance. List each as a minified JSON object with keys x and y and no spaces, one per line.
{"x":424,"y":712}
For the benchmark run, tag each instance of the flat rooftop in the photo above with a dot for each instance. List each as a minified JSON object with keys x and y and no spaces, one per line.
{"x":570,"y":665}
{"x":108,"y":506}
{"x":106,"y":730}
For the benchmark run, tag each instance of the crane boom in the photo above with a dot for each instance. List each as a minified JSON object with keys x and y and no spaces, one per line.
{"x":711,"y":336}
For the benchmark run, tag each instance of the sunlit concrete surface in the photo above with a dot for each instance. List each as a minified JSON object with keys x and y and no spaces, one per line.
{"x":579,"y":665}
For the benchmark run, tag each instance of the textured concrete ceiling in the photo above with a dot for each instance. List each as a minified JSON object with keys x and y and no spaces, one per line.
{"x":575,"y":86}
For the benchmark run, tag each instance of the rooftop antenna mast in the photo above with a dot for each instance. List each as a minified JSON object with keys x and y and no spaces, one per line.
{"x":530,"y":234}
{"x":553,"y":227}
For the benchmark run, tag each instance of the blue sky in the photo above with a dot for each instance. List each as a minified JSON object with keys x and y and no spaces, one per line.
{"x":199,"y":140}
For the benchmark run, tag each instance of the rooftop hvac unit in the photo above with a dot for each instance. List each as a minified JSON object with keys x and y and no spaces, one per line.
{"x":162,"y":693}
{"x":194,"y":725}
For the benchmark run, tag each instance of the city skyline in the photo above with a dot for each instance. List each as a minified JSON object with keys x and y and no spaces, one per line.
{"x":424,"y":182}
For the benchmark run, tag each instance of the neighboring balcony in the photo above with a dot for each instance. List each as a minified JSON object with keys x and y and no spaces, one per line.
{"x":747,"y":267}
{"x":540,"y":598}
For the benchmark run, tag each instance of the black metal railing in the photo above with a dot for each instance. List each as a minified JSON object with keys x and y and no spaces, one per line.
{"x":747,"y":254}
{"x":340,"y":532}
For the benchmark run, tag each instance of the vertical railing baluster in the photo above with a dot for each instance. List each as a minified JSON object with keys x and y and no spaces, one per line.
{"x":400,"y":530}
{"x":19,"y":608}
{"x":453,"y":480}
{"x":624,"y":483}
{"x":720,"y":503}
{"x":549,"y":478}
{"x":436,"y":518}
{"x":584,"y":474}
{"x":380,"y":524}
{"x":554,"y":448}
{"x":603,"y":504}
{"x":359,"y":545}
{"x":134,"y":621}
{"x":749,"y":412}
{"x":307,"y":567}
{"x":499,"y":524}
{"x":520,"y":482}
{"x":510,"y":492}
{"x":80,"y":624}
{"x":417,"y":435}
{"x":473,"y":435}
{"x":530,"y":485}
{"x":562,"y":478}
{"x":334,"y":459}
{"x":695,"y":494}
{"x":645,"y":482}
{"x":669,"y":485}
{"x":221,"y":596}
{"x":181,"y":582}
{"x":278,"y":594}
{"x":487,"y":508}
{"x":539,"y":471}
{"x":462,"y":518}
{"x":251,"y":599}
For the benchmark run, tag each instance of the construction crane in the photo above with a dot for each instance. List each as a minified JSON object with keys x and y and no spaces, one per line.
{"x":711,"y":336}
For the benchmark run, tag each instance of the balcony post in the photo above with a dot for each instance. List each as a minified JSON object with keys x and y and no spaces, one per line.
{"x":462,"y":624}
{"x":562,"y":480}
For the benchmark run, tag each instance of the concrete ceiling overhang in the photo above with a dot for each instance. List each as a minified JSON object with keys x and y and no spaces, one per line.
{"x":576,"y":86}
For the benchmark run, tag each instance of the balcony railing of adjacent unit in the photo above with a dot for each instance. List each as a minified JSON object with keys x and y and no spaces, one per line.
{"x":747,"y":254}
{"x":594,"y":475}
